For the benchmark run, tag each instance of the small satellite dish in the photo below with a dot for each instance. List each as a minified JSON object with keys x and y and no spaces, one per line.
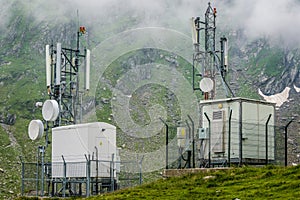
{"x":39,"y":104}
{"x":50,"y":110}
{"x":206,"y":84}
{"x":35,"y":129}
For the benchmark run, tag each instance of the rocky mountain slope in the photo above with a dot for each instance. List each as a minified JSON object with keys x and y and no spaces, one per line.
{"x":258,"y":64}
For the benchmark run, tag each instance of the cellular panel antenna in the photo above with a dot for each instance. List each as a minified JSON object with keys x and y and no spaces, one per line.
{"x":209,"y":64}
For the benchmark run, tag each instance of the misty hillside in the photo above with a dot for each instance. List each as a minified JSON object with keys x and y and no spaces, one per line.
{"x":134,"y":37}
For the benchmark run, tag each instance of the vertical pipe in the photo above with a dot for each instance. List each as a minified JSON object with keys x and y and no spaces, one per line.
{"x":222,"y":57}
{"x":81,"y":107}
{"x":229,"y":137}
{"x":266,"y":140}
{"x":76,"y":99}
{"x":209,"y":141}
{"x":285,"y":142}
{"x":167,"y":143}
{"x":193,"y":141}
{"x":198,"y":31}
{"x":78,"y":35}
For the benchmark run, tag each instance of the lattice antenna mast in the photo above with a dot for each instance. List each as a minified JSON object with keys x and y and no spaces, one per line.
{"x":207,"y":63}
{"x":62,"y":73}
{"x":210,"y":45}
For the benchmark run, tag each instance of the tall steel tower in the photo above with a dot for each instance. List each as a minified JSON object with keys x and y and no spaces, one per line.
{"x":62,"y":79}
{"x":209,"y":64}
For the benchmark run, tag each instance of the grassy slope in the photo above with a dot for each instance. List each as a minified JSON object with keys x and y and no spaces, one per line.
{"x":244,"y":183}
{"x":23,"y":81}
{"x":21,"y":86}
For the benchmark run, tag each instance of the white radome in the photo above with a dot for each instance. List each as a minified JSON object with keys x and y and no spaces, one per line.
{"x":206,"y":84}
{"x":50,"y":110}
{"x":35,"y":129}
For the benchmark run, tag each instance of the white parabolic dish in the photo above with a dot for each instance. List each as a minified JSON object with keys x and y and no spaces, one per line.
{"x":206,"y":84}
{"x":50,"y":110}
{"x":36,"y":129}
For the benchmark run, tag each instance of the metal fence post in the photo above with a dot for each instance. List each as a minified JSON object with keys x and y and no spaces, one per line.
{"x":229,"y":137}
{"x":42,"y":149}
{"x":112,"y":172}
{"x":37,"y":173}
{"x":65,"y":176}
{"x":140,"y":165}
{"x":97,"y":169}
{"x":267,"y":144}
{"x":167,"y":137}
{"x":240,"y":135}
{"x":22,"y":175}
{"x":193,"y":142}
{"x":88,"y":175}
{"x":285,"y":141}
{"x":188,"y":151}
{"x":209,"y":141}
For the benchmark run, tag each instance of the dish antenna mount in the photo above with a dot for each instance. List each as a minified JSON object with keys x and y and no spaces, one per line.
{"x":209,"y":63}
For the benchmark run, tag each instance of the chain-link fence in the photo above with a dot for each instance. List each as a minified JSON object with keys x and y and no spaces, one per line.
{"x":227,"y":143}
{"x":78,"y":178}
{"x":224,"y":143}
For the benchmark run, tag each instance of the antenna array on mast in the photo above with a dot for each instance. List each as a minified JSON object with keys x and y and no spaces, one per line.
{"x":207,"y":64}
{"x":62,"y":79}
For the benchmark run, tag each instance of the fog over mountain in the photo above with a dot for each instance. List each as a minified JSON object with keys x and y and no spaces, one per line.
{"x":276,"y":20}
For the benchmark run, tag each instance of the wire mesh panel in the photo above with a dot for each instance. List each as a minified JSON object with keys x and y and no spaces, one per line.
{"x":231,"y":142}
{"x":242,"y":143}
{"x":35,"y":179}
{"x":102,"y":168}
{"x":292,"y":143}
{"x":279,"y":145}
{"x":29,"y":179}
{"x":79,"y":178}
{"x":130,"y":174}
{"x":70,"y":169}
{"x":180,"y":146}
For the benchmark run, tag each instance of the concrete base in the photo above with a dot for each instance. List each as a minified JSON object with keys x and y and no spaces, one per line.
{"x":181,"y":172}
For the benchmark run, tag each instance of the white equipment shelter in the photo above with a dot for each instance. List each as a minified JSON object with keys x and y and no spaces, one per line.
{"x":76,"y":143}
{"x":248,"y":136}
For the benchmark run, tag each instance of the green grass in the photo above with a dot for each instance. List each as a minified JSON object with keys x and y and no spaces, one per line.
{"x":22,"y":84}
{"x":268,"y":182}
{"x":271,"y":61}
{"x":248,"y":92}
{"x":10,"y":176}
